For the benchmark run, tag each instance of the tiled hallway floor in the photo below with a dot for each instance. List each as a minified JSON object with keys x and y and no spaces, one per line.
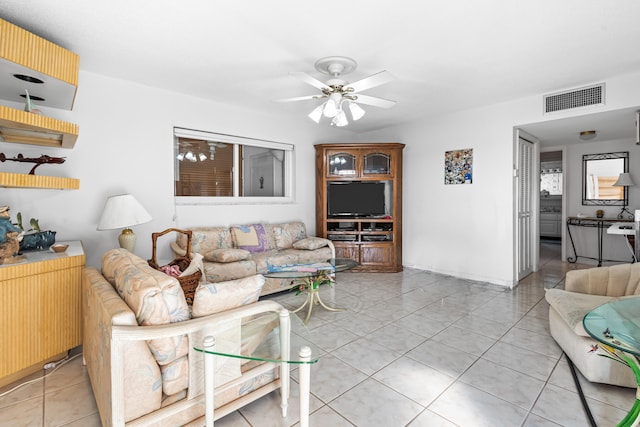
{"x":413,"y":349}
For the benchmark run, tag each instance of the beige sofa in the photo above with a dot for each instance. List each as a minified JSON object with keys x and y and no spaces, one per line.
{"x":245,"y":250}
{"x":139,"y":336}
{"x":583,"y":291}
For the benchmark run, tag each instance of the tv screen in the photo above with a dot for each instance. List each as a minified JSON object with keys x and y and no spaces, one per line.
{"x":355,"y":198}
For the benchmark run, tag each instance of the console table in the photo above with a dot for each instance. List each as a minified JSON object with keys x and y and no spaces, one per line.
{"x":600,"y":224}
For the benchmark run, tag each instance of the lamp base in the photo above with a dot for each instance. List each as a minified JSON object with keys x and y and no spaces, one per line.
{"x":127,"y":239}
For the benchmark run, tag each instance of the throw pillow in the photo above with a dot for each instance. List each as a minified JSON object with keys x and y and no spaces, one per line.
{"x":213,"y":298}
{"x":311,"y":243}
{"x":252,"y":238}
{"x":227,"y":255}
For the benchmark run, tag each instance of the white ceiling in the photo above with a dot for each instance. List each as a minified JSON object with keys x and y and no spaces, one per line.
{"x":446,"y":55}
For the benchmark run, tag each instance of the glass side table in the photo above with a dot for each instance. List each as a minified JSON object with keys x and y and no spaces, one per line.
{"x":272,"y":334}
{"x":309,"y":280}
{"x":616,"y":327}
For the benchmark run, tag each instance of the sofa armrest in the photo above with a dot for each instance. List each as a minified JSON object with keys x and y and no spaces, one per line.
{"x":103,"y":309}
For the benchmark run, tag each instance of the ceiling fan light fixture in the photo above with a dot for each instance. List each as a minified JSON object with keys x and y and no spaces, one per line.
{"x":340,"y":119}
{"x":356,"y":111}
{"x":330,"y":109}
{"x":316,"y":114}
{"x":202,"y":157}
{"x":190,"y":156}
{"x":180,"y":157}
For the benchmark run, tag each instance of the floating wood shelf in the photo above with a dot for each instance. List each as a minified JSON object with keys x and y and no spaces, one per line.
{"x":20,"y":180}
{"x":50,"y":74}
{"x":28,"y":128}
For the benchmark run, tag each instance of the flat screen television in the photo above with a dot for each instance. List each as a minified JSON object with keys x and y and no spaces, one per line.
{"x":356,"y":198}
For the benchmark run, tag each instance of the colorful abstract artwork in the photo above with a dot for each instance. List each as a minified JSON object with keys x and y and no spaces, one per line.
{"x":458,"y":166}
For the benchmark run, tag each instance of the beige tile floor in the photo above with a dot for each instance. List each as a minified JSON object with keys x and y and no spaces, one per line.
{"x":413,"y":349}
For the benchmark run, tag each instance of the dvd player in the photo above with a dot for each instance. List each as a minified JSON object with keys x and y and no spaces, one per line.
{"x":343,"y":237}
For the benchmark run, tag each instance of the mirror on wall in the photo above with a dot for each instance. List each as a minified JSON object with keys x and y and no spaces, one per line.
{"x":599,"y":174}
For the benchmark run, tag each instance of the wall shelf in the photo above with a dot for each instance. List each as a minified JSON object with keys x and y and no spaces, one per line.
{"x":50,"y":74}
{"x":27,"y":128}
{"x":21,"y":180}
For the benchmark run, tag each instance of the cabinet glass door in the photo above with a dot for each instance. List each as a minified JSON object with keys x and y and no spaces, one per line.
{"x":342,"y":164}
{"x":377,"y":164}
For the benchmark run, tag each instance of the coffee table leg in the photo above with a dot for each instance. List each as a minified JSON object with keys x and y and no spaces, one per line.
{"x":305,"y":385}
{"x":326,"y":306}
{"x":309,"y":301}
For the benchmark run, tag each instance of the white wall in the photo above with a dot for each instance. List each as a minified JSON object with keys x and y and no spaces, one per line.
{"x":125,"y":145}
{"x":468,"y":230}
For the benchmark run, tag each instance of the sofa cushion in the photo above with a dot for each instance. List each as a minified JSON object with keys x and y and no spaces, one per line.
{"x":297,"y":256}
{"x":219,"y":272}
{"x":614,"y":280}
{"x":227,"y":255}
{"x":156,"y":299}
{"x":573,"y":306}
{"x":311,"y":243}
{"x":206,"y":239}
{"x":287,"y":233}
{"x":213,"y":298}
{"x":252,"y":237}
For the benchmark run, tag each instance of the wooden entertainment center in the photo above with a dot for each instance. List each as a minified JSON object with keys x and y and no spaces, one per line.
{"x":359,"y":202}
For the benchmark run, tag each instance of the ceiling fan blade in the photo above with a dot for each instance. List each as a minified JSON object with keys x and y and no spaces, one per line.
{"x":374,"y":101}
{"x":372,"y":81}
{"x":310,"y":80}
{"x":299,"y":98}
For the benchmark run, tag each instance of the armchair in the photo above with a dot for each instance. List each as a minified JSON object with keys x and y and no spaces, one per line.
{"x":583,"y":291}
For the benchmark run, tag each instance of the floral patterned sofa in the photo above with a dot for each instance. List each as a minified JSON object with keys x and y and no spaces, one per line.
{"x":244,"y":250}
{"x":139,"y":336}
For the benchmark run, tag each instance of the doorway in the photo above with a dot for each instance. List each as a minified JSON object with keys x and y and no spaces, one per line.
{"x":551,"y":198}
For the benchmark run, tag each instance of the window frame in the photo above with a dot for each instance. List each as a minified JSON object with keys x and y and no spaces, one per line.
{"x":236,"y":141}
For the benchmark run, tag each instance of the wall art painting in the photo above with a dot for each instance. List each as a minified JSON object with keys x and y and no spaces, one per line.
{"x":458,"y":166}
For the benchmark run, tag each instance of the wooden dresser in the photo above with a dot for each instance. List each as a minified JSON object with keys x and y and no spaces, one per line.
{"x":41,"y":310}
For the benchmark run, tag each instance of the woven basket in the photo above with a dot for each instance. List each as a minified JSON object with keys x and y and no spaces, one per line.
{"x":187,"y":283}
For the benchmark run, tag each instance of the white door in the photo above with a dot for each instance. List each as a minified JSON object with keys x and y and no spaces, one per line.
{"x":525,"y":240}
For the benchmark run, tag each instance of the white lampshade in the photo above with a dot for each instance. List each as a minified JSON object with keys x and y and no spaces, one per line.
{"x":624,"y":179}
{"x":356,"y":111}
{"x":123,"y":211}
{"x":316,"y":114}
{"x":340,"y":119}
{"x":330,"y":109}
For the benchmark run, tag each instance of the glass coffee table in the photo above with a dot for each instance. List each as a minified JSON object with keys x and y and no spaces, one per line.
{"x":309,"y":279}
{"x":616,"y":327}
{"x":272,"y":334}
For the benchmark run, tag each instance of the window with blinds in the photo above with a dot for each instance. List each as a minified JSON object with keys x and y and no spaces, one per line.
{"x":218,"y":167}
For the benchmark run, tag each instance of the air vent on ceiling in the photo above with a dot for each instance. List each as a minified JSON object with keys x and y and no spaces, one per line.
{"x":575,"y":98}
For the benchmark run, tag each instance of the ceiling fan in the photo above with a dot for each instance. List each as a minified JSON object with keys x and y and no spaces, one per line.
{"x":339,"y":93}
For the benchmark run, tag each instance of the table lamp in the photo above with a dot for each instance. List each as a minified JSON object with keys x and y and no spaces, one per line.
{"x":624,"y":180}
{"x":123,"y":211}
